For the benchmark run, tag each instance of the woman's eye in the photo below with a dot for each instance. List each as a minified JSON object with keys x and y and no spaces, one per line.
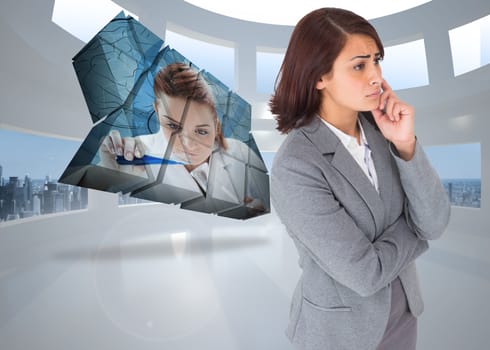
{"x":202,"y":132}
{"x":173,"y":126}
{"x":359,"y":66}
{"x":378,"y":60}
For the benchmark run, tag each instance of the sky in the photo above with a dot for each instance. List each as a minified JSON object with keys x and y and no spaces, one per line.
{"x":38,"y":156}
{"x":456,"y":161}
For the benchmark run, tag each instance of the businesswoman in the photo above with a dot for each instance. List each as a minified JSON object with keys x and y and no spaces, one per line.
{"x":353,"y":188}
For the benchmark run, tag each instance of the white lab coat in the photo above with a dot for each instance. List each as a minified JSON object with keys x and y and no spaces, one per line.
{"x":233,"y":176}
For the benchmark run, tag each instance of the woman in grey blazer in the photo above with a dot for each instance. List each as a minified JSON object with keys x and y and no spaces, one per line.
{"x":353,"y":188}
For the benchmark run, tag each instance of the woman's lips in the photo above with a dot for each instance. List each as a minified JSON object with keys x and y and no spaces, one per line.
{"x":186,"y":155}
{"x":374,"y":94}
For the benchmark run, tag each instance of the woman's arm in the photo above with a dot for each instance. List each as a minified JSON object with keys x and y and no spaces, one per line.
{"x":317,"y":221}
{"x":427,"y":205}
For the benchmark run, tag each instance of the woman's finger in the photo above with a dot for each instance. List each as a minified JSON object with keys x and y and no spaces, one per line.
{"x":107,"y":146}
{"x":397,"y":111}
{"x":385,"y":86}
{"x":390,"y":103}
{"x":140,"y":149}
{"x":129,"y":148}
{"x":117,"y":142}
{"x":386,"y":92}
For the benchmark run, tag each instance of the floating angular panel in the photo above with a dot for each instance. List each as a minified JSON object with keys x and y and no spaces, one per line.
{"x":233,"y":111}
{"x":109,"y":66}
{"x":88,"y":169}
{"x":165,"y":130}
{"x":253,"y":147}
{"x":238,"y":183}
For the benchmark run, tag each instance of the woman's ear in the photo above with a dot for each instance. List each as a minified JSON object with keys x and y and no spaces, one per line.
{"x":322,"y":83}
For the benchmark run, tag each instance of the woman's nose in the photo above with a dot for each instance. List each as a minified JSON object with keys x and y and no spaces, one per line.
{"x":187,"y":140}
{"x":376,"y":76}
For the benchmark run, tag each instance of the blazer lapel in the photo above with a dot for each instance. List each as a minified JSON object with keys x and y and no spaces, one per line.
{"x":340,"y":158}
{"x":381,"y":155}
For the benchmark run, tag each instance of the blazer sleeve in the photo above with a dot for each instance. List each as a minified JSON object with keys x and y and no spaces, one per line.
{"x":427,"y":206}
{"x":323,"y":228}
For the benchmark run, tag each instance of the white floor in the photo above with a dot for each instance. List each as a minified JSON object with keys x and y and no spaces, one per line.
{"x":156,"y":277}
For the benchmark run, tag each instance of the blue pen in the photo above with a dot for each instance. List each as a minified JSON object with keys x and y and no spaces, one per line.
{"x":146,"y":159}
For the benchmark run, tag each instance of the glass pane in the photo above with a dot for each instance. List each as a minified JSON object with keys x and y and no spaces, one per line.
{"x":28,"y":176}
{"x":268,"y":65}
{"x":268,"y":159}
{"x":84,"y":18}
{"x":462,"y":183}
{"x":405,"y":65}
{"x":470,"y":45}
{"x":218,"y":60}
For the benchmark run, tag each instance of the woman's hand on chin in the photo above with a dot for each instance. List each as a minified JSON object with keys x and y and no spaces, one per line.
{"x":395,"y":119}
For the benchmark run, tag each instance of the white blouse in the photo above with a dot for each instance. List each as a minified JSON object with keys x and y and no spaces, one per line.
{"x":360,"y":152}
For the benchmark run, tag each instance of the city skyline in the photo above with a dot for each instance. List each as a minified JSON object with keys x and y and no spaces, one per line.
{"x":40,"y":156}
{"x":25,"y":197}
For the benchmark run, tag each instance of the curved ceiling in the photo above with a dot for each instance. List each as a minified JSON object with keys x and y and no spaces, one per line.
{"x":275,"y":12}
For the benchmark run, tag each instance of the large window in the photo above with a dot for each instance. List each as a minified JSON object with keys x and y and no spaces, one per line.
{"x":405,"y":65}
{"x":29,"y":168}
{"x":219,"y":60}
{"x":459,"y":167}
{"x":84,"y":18}
{"x":470,"y":45}
{"x":268,"y":65}
{"x":462,"y":183}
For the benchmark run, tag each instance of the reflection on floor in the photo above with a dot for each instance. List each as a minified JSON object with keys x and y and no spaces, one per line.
{"x":157,"y":277}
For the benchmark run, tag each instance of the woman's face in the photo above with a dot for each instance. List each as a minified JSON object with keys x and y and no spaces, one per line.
{"x":195,"y":131}
{"x":354,"y":84}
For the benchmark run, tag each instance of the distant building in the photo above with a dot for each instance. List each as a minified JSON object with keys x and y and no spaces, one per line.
{"x":32,"y":197}
{"x":36,"y":205}
{"x":463,"y":192}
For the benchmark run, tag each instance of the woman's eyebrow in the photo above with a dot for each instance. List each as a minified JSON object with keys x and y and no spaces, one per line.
{"x":171,"y":119}
{"x":203,"y":125}
{"x":376,"y":55}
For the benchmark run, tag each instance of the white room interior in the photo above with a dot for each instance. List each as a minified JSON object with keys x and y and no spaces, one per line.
{"x":152,"y":276}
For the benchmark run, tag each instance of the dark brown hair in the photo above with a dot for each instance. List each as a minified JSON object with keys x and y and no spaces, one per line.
{"x":315,"y":43}
{"x":180,"y":80}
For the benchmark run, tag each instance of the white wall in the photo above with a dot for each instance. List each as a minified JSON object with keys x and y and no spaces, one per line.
{"x":39,"y":92}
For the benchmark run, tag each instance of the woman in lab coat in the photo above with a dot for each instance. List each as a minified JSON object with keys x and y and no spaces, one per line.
{"x":201,"y":169}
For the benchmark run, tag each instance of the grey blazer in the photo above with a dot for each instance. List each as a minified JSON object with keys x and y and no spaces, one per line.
{"x":352,"y":241}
